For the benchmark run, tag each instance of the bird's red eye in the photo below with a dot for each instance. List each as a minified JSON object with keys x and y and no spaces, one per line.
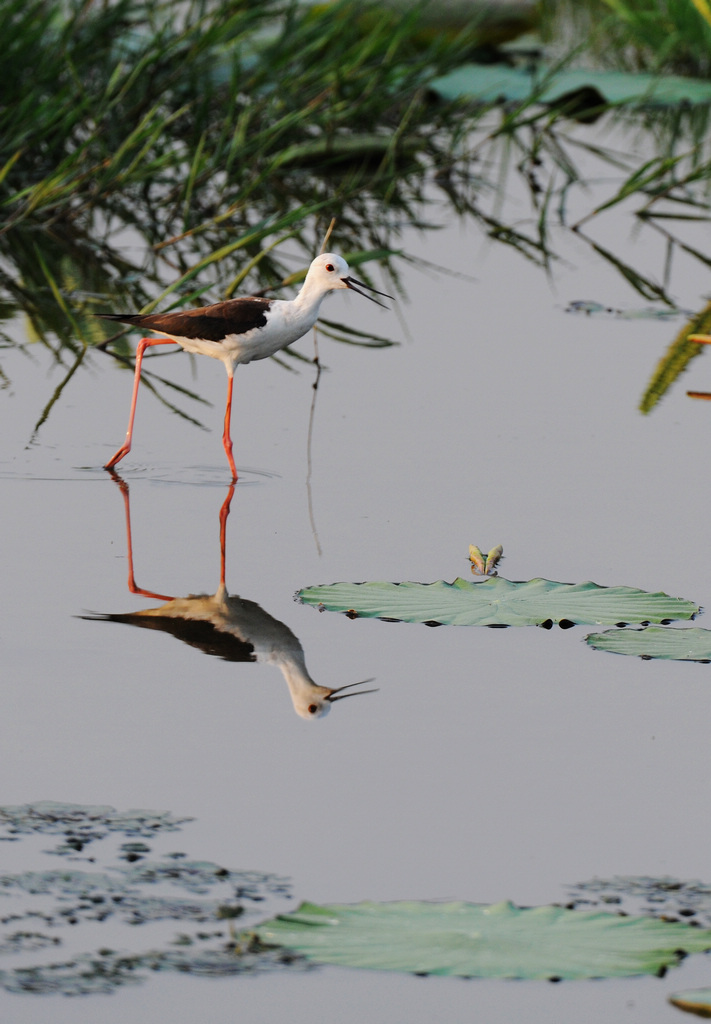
{"x":330,"y":268}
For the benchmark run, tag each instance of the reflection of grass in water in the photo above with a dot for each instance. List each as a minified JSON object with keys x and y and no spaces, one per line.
{"x":671,"y":898}
{"x":657,"y":35}
{"x":139,"y":902}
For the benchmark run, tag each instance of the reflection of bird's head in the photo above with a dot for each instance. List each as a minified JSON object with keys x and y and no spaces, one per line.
{"x":317,"y":700}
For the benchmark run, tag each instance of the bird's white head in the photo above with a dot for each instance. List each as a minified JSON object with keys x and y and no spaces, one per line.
{"x":328,"y":272}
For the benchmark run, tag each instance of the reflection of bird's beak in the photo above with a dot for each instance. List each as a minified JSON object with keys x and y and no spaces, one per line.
{"x":340,"y":689}
{"x":355,"y":286}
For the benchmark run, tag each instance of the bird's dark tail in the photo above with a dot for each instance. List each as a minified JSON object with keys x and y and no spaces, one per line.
{"x":122,"y":318}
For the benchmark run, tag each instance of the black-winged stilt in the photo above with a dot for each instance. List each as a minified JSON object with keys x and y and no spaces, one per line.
{"x":239,"y":330}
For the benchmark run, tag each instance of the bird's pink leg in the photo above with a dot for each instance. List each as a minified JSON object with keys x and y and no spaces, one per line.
{"x":226,"y":437}
{"x":143,"y":344}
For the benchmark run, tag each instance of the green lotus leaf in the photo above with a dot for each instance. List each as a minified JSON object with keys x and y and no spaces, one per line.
{"x":498,"y":602}
{"x":696,"y":1001}
{"x":692,"y":644}
{"x":472,"y":940}
{"x":496,"y":83}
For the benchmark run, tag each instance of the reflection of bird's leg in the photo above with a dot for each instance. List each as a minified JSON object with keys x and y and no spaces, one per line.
{"x":226,"y":436}
{"x":143,"y":344}
{"x":224,"y":512}
{"x":129,"y":543}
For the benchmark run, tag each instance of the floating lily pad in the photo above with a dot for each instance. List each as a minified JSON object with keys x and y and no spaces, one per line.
{"x":498,"y":602}
{"x":689,"y":644}
{"x":696,"y":1001}
{"x":500,"y":83}
{"x":471,"y":940}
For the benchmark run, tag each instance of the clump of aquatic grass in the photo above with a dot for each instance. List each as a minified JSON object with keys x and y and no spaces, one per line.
{"x":211,"y":130}
{"x":198,"y":112}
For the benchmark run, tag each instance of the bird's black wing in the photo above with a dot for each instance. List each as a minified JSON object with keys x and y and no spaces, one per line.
{"x":208,"y":323}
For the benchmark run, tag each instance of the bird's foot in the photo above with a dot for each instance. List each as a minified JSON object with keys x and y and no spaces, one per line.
{"x":123,"y":450}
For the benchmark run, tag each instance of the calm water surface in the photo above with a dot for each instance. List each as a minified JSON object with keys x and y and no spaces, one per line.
{"x":491,"y":764}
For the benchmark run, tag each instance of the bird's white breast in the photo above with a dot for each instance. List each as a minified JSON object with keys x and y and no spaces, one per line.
{"x":286,"y":323}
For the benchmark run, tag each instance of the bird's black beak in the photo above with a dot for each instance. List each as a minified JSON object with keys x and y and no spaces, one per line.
{"x":355,"y":286}
{"x":340,"y":689}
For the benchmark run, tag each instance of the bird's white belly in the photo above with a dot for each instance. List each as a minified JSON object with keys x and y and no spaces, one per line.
{"x":283,"y":326}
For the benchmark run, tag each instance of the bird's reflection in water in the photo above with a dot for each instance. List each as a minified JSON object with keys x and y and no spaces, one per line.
{"x":231,"y":628}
